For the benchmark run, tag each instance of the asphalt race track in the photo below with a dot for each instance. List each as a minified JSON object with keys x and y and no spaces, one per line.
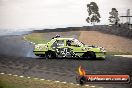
{"x":16,"y":57}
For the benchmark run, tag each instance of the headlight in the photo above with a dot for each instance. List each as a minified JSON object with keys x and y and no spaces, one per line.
{"x":38,"y":47}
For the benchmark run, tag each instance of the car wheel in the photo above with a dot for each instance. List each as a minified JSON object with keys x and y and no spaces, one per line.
{"x":82,"y":80}
{"x":50,"y":55}
{"x":42,"y":55}
{"x":90,"y":55}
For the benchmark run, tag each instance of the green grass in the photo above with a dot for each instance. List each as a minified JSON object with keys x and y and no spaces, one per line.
{"x":41,"y":38}
{"x":7,"y":81}
{"x":36,"y":38}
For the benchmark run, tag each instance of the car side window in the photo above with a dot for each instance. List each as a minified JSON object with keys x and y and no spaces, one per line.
{"x":58,"y":43}
{"x":72,"y":43}
{"x":68,"y":42}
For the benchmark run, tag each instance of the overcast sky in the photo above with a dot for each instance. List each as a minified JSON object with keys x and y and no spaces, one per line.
{"x":54,"y":13}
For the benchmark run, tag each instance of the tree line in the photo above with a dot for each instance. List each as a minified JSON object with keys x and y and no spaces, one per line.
{"x":94,"y":15}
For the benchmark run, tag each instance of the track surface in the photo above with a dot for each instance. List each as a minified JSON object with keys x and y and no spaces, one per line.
{"x":57,"y":69}
{"x":65,"y":69}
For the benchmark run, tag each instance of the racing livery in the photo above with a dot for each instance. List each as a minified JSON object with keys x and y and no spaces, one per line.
{"x":68,"y":47}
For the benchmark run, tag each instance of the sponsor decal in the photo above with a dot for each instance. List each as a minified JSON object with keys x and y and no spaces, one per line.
{"x":83,"y":78}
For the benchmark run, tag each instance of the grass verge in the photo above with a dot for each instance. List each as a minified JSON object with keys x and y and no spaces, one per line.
{"x":7,"y":81}
{"x":36,"y":38}
{"x":40,"y":38}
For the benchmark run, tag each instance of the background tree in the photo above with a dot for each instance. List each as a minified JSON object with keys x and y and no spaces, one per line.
{"x":114,"y":16}
{"x":93,"y":13}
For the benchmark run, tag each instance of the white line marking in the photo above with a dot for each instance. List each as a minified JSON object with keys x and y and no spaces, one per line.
{"x":71,"y":83}
{"x":63,"y":82}
{"x":57,"y":81}
{"x":48,"y":80}
{"x":15,"y":75}
{"x":42,"y":79}
{"x":2,"y":73}
{"x":35,"y":78}
{"x":92,"y":86}
{"x":9,"y":74}
{"x":100,"y":87}
{"x":24,"y":38}
{"x":129,"y":56}
{"x":28,"y":77}
{"x":86,"y":85}
{"x":21,"y":76}
{"x":77,"y":84}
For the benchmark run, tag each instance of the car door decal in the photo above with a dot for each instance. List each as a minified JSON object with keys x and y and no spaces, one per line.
{"x":66,"y":52}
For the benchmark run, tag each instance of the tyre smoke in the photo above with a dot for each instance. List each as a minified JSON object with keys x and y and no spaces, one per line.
{"x":15,"y":46}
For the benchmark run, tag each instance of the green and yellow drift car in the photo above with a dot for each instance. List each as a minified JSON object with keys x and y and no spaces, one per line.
{"x":68,"y":47}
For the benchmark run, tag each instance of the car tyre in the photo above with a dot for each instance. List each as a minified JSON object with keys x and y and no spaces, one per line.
{"x":82,"y":80}
{"x":89,"y":55}
{"x":50,"y":55}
